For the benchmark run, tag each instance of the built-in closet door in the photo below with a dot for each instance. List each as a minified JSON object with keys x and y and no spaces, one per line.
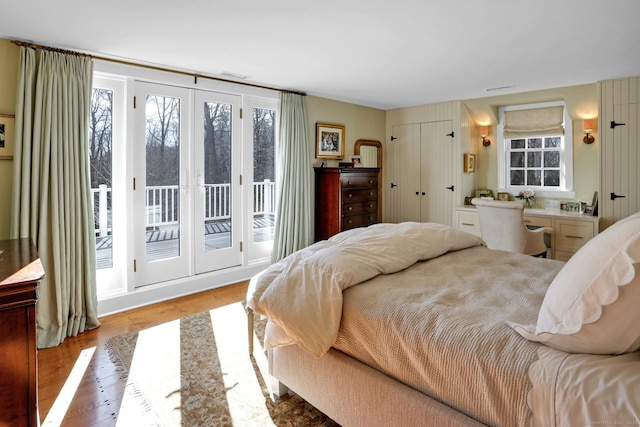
{"x":403,"y":154}
{"x":437,"y":189}
{"x":420,"y":157}
{"x":619,"y":150}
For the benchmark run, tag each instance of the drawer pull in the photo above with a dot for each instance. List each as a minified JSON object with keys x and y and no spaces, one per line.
{"x":371,"y":193}
{"x":350,"y":195}
{"x":349,"y":221}
{"x":370,"y":181}
{"x":370,"y":205}
{"x":527,"y":220}
{"x":469,"y":224}
{"x":574,"y":237}
{"x":350,"y":208}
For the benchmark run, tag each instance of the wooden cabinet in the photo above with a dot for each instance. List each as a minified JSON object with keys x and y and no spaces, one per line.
{"x":570,"y":231}
{"x":20,"y":274}
{"x":345,"y":198}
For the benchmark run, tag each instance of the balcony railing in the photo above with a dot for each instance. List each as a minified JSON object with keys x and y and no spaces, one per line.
{"x":162,"y":204}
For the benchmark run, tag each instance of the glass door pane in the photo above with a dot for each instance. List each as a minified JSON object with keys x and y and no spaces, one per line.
{"x":162,"y":207}
{"x":264,"y":182}
{"x":100,"y":155}
{"x":218,"y":199}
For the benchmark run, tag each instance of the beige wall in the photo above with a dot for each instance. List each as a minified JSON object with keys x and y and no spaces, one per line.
{"x":8,"y":80}
{"x":370,"y":123}
{"x":359,"y":122}
{"x":581,"y":101}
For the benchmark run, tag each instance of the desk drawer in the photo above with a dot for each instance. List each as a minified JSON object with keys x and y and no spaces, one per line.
{"x":572,"y":235}
{"x":469,"y":222}
{"x":536,"y":221}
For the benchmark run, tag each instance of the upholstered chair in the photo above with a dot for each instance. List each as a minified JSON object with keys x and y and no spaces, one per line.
{"x":502,"y":227}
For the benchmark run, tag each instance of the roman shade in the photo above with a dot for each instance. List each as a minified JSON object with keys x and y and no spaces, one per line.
{"x":534,"y":122}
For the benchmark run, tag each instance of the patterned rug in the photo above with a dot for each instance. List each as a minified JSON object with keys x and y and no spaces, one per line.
{"x":196,"y":371}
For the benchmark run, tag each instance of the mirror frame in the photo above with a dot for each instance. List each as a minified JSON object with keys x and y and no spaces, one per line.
{"x":369,"y":143}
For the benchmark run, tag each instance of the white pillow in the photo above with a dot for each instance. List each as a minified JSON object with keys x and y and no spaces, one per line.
{"x":593,"y":303}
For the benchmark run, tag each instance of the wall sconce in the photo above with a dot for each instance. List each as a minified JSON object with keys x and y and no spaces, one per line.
{"x":484,"y":131}
{"x":587,"y":128}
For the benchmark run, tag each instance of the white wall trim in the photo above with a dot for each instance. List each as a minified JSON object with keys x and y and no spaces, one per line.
{"x":146,"y":295}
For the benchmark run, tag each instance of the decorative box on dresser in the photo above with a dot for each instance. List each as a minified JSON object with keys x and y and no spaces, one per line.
{"x":345,"y":198}
{"x":20,"y":275}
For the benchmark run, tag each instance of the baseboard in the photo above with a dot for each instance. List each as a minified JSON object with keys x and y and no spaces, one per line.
{"x":158,"y":292}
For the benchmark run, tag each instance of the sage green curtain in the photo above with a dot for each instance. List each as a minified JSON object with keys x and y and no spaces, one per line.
{"x":294,"y":215}
{"x":52,"y":202}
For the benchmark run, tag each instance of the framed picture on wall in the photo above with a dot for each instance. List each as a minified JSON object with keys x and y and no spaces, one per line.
{"x":6,"y":136}
{"x":469,"y":163}
{"x":329,"y":141}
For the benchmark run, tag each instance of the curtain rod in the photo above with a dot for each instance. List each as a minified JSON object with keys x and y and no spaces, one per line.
{"x":152,"y":67}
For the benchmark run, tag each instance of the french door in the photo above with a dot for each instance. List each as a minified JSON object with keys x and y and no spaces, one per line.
{"x":187,"y":194}
{"x":218,"y":195}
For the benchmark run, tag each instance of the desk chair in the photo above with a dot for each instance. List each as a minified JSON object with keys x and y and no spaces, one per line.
{"x":502,"y":227}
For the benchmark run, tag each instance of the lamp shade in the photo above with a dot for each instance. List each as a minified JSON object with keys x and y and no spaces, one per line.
{"x":587,"y":125}
{"x":484,"y":130}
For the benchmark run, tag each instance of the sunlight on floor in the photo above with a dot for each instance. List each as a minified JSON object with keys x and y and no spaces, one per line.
{"x":229,"y":327}
{"x":61,"y":405}
{"x":157,"y":374}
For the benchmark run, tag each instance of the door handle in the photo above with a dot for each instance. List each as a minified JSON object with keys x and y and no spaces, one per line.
{"x":450,"y":188}
{"x":616,"y":196}
{"x":393,"y":185}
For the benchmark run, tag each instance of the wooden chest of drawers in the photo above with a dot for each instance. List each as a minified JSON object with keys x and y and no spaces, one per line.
{"x":345,"y":198}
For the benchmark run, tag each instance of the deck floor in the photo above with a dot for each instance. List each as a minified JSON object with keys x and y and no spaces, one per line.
{"x":164,"y":242}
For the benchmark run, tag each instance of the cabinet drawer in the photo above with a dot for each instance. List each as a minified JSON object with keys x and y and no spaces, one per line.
{"x":359,"y":180}
{"x":536,"y":221}
{"x":354,"y":194}
{"x":469,"y":222}
{"x":571,"y":235}
{"x":360,"y":207}
{"x":362,"y":220}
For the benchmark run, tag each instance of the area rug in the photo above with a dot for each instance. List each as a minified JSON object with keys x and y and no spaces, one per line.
{"x":196,"y":371}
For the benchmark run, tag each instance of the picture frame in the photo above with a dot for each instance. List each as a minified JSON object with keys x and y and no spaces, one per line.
{"x":356,"y":161}
{"x":329,"y":141}
{"x":7,"y":132}
{"x":469,"y":163}
{"x":503,"y":196}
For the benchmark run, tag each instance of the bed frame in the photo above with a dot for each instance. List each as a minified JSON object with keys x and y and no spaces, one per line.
{"x":352,"y":393}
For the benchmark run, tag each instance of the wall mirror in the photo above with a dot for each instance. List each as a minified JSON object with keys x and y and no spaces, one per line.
{"x":370,"y":153}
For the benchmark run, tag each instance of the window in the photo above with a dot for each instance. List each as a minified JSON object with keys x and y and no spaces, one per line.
{"x":535,"y":150}
{"x":183,"y":186}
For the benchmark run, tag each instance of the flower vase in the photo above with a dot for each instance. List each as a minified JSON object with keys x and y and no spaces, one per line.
{"x":528,"y":203}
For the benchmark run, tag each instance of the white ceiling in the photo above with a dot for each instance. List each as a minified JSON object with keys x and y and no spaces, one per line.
{"x":379,"y":53}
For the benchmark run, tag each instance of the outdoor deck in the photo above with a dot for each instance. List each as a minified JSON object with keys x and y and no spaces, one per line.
{"x":162,"y":242}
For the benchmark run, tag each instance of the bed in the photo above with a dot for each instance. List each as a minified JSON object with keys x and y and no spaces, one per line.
{"x":421,"y":324}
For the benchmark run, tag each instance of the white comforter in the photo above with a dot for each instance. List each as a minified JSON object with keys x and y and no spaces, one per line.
{"x":302,"y":294}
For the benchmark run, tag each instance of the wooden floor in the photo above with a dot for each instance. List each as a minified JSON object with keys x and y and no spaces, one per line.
{"x":98,"y":395}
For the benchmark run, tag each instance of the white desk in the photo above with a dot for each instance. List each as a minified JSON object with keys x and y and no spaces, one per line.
{"x":571,"y":230}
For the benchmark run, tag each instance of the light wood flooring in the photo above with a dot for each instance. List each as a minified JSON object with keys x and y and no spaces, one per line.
{"x":97,"y":398}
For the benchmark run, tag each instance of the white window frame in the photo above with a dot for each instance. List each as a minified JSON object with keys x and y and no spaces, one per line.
{"x":566,"y":189}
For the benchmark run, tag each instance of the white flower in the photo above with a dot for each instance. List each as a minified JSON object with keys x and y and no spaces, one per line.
{"x":527,"y":194}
